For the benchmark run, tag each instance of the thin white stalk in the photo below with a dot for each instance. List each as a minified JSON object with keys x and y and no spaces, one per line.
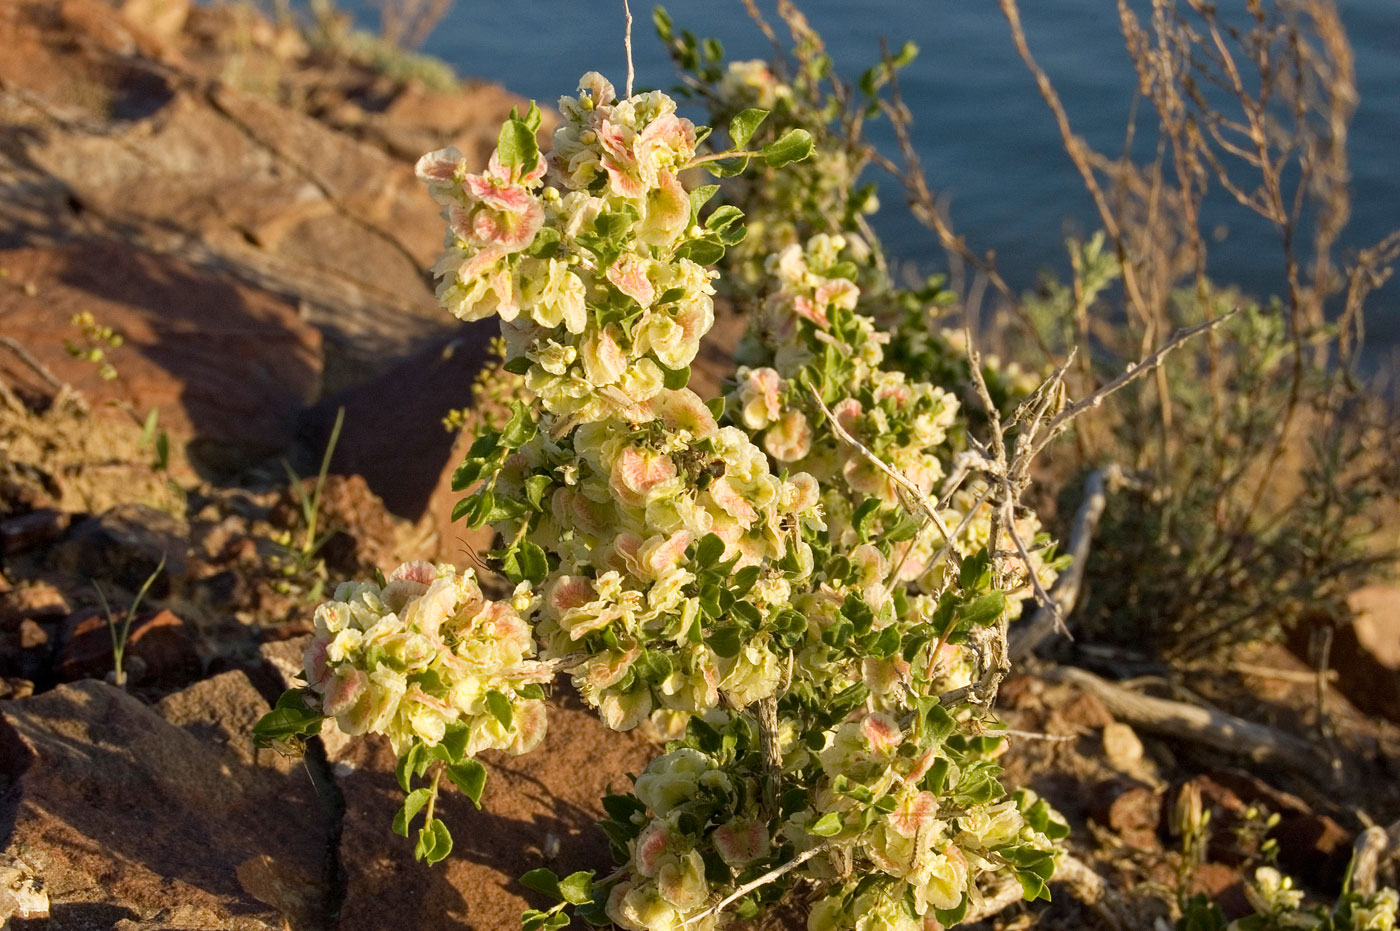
{"x":748,"y":887}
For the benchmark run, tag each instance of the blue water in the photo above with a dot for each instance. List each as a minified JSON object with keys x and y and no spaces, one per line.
{"x":987,"y":142}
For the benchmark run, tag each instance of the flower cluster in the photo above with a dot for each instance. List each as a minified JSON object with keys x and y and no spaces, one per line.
{"x":579,"y":254}
{"x":423,"y":653}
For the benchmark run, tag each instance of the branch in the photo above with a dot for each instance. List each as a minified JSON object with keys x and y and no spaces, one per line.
{"x":1130,"y":374}
{"x":1258,"y":742}
{"x":1066,"y":594}
{"x":748,"y":887}
{"x":903,"y":483}
{"x":1372,"y":846}
{"x":627,"y":45}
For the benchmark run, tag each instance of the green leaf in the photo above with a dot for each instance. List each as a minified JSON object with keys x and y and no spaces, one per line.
{"x":454,"y":743}
{"x":292,"y":718}
{"x":470,"y":777}
{"x":148,"y":429}
{"x":577,"y":888}
{"x":975,"y":571}
{"x":907,"y":53}
{"x":412,"y":804}
{"x":534,"y":565}
{"x":517,"y":366}
{"x":675,"y":379}
{"x":723,"y":217}
{"x":726,"y":641}
{"x":827,"y":825}
{"x":407,"y":767}
{"x":535,"y":487}
{"x":727,"y":168}
{"x":467,"y":473}
{"x":951,"y":917}
{"x":794,"y":146}
{"x":516,"y":146}
{"x":983,"y":611}
{"x":702,"y":251}
{"x":544,"y":881}
{"x":662,"y":20}
{"x":709,"y":551}
{"x":521,"y":428}
{"x":745,"y":124}
{"x":434,"y":842}
{"x":700,"y":197}
{"x":501,"y":708}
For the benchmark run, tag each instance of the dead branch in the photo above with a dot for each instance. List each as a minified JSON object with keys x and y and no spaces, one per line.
{"x":1373,"y":846}
{"x":1066,"y":593}
{"x":1258,"y":742}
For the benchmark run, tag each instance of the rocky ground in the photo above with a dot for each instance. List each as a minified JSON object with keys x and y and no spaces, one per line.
{"x":238,"y":204}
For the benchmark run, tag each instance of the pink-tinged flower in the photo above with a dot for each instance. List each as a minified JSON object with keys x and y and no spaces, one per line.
{"x":837,"y":292}
{"x":652,"y":845}
{"x":790,"y":438}
{"x":624,"y":712}
{"x":530,"y":721}
{"x":696,"y":316}
{"x":921,"y":767}
{"x":660,"y":552}
{"x":914,"y":813}
{"x":501,"y":622}
{"x":609,"y":668}
{"x":315,"y":662}
{"x":598,"y":88}
{"x":603,"y":358}
{"x":416,"y":571}
{"x":441,"y":167}
{"x":806,"y":492}
{"x":344,"y":691}
{"x":864,"y":478}
{"x":809,"y":309}
{"x":882,"y":675}
{"x":947,"y":879}
{"x":668,"y":138}
{"x":629,"y":275}
{"x":847,"y":413}
{"x":882,"y":733}
{"x":896,"y":390}
{"x":682,"y":409}
{"x":619,"y":161}
{"x":681,"y":880}
{"x":759,"y":400}
{"x":567,"y":592}
{"x":742,"y":841}
{"x":635,"y":472}
{"x":666,"y":214}
{"x":732,"y":502}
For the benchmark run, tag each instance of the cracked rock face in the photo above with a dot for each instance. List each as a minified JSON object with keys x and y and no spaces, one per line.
{"x":141,"y":183}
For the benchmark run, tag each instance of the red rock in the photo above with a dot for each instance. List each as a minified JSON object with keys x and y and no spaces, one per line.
{"x":38,"y":600}
{"x":1312,"y":846}
{"x":159,"y":651}
{"x":130,"y":821}
{"x":236,"y":395}
{"x":32,"y":530}
{"x":1131,"y":810}
{"x":31,"y":635}
{"x":532,"y":802}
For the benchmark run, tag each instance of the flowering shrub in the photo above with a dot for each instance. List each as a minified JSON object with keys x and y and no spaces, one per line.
{"x":793,"y":583}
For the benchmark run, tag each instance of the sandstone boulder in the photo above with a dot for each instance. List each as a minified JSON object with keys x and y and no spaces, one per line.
{"x":126,"y":817}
